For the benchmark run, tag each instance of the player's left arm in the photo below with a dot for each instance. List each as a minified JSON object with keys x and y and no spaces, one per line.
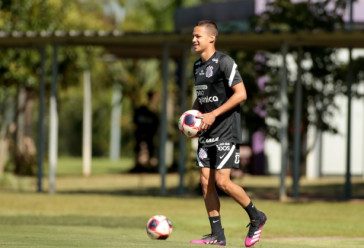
{"x":237,"y":97}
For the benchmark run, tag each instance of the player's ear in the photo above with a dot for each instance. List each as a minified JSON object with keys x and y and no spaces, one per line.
{"x":212,"y":39}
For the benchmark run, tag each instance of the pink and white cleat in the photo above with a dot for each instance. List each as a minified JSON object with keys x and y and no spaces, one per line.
{"x":211,"y":239}
{"x":255,"y":230}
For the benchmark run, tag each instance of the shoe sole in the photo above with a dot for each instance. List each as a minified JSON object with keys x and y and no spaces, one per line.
{"x":255,"y":239}
{"x":204,"y":242}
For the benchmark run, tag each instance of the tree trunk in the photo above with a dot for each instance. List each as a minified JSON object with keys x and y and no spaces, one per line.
{"x":4,"y":148}
{"x":25,"y":150}
{"x":5,"y":131}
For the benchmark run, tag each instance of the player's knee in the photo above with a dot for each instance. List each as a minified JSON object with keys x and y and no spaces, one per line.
{"x":223,"y":184}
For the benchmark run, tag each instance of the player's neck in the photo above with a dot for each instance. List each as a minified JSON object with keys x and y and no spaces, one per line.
{"x":205,"y":55}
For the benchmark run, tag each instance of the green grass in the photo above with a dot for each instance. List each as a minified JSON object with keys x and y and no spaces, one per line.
{"x":98,"y":220}
{"x":111,"y":208}
{"x":73,"y":166}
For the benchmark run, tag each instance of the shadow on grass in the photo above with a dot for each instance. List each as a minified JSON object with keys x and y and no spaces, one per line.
{"x":314,"y":191}
{"x":145,"y":191}
{"x":74,"y":220}
{"x":321,"y":192}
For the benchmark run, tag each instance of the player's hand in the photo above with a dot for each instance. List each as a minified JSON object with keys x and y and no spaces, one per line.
{"x":207,"y":120}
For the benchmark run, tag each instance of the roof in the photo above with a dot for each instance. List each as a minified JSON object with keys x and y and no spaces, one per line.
{"x":146,"y":45}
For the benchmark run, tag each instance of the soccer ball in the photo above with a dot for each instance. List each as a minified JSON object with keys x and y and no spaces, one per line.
{"x":159,"y":227}
{"x":188,"y":124}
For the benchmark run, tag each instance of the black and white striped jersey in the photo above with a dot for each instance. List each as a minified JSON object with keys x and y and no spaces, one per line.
{"x":213,"y":81}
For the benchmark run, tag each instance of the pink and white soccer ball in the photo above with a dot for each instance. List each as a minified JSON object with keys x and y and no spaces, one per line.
{"x":159,"y":227}
{"x":189,"y":124}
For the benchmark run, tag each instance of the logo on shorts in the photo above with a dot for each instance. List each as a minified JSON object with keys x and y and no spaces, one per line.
{"x":237,"y":158}
{"x":223,"y":147}
{"x":202,"y":153}
{"x":204,"y":140}
{"x":221,"y":157}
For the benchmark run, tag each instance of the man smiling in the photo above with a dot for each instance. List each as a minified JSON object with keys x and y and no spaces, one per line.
{"x":220,"y":90}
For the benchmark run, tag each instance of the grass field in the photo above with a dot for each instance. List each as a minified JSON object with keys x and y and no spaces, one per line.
{"x":111,"y":208}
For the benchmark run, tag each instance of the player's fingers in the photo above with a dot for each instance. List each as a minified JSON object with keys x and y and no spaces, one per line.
{"x":204,"y":126}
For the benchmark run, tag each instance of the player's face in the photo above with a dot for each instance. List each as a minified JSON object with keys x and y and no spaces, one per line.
{"x":202,"y":39}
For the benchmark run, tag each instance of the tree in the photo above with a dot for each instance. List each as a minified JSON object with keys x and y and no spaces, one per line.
{"x":322,"y":74}
{"x":19,"y":80}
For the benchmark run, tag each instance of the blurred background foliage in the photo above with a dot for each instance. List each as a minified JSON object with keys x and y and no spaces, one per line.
{"x":323,"y":76}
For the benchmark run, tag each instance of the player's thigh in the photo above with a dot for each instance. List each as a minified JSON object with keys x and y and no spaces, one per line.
{"x":223,"y":175}
{"x":207,"y":175}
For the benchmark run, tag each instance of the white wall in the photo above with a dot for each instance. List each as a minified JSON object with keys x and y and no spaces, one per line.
{"x":333,"y":145}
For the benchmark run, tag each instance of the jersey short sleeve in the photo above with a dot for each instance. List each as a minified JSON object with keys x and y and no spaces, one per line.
{"x":230,"y":70}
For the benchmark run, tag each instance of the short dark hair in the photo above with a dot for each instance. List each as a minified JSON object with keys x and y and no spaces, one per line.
{"x":210,"y":25}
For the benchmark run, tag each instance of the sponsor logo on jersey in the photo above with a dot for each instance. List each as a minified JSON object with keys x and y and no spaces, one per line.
{"x":216,"y":60}
{"x":208,"y":99}
{"x":200,"y":92}
{"x":201,"y":87}
{"x":223,"y":147}
{"x":203,"y":140}
{"x":202,"y":153}
{"x":201,"y":73}
{"x":198,"y":62}
{"x":209,"y":71}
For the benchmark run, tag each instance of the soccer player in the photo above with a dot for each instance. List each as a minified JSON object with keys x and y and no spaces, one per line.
{"x":220,"y":90}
